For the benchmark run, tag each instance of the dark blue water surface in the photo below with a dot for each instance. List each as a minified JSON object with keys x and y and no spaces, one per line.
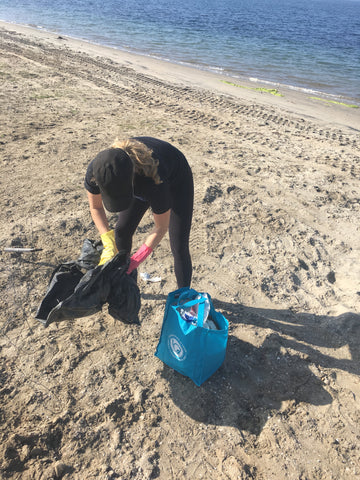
{"x":306,"y":44}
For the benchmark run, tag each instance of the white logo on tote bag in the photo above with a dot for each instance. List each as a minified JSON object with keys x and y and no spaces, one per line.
{"x":176,"y":348}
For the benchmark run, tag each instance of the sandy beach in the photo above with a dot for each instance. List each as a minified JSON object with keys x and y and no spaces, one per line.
{"x":275,"y":242}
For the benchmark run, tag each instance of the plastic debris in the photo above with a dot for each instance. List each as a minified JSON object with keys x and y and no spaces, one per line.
{"x":148,"y":278}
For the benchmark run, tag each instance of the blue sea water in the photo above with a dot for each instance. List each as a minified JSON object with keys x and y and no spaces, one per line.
{"x":310,"y":45}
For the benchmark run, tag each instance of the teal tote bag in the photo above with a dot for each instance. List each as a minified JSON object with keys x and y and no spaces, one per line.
{"x":185,"y":344}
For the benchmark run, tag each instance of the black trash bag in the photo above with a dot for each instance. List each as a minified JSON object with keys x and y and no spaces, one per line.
{"x":90,"y":254}
{"x":125,"y":307}
{"x":72,"y":294}
{"x":62,"y":284}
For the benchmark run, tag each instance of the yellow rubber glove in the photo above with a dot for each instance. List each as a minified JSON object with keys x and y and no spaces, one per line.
{"x":110,"y":250}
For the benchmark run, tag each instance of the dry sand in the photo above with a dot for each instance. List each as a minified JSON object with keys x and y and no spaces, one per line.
{"x":275,"y":241}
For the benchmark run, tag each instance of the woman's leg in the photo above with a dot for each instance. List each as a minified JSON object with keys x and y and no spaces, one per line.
{"x":179,"y":229}
{"x":127,"y":222}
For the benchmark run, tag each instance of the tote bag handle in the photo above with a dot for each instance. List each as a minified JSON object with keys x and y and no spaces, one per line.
{"x":191,"y":303}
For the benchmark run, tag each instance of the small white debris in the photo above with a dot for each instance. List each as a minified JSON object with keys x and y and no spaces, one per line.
{"x":148,"y":278}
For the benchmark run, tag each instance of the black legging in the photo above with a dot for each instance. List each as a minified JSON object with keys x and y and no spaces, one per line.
{"x":179,"y":228}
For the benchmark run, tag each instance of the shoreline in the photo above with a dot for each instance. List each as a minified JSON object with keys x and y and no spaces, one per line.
{"x":320,"y":108}
{"x":257,"y":79}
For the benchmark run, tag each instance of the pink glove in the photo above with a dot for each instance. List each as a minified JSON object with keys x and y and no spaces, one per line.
{"x":138,"y":257}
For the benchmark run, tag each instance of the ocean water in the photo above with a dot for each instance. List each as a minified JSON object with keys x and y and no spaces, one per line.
{"x":310,"y":45}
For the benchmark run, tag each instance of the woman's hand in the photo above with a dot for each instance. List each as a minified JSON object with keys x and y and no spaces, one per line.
{"x":110,"y":250}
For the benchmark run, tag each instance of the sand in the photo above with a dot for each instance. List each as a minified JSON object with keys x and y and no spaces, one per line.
{"x":275,"y":241}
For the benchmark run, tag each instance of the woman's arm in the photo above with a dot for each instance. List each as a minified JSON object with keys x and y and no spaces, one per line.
{"x":97,"y":212}
{"x":160,"y":229}
{"x":107,"y":236}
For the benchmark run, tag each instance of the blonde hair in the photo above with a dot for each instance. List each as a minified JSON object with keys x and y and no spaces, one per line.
{"x":141,"y":156}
